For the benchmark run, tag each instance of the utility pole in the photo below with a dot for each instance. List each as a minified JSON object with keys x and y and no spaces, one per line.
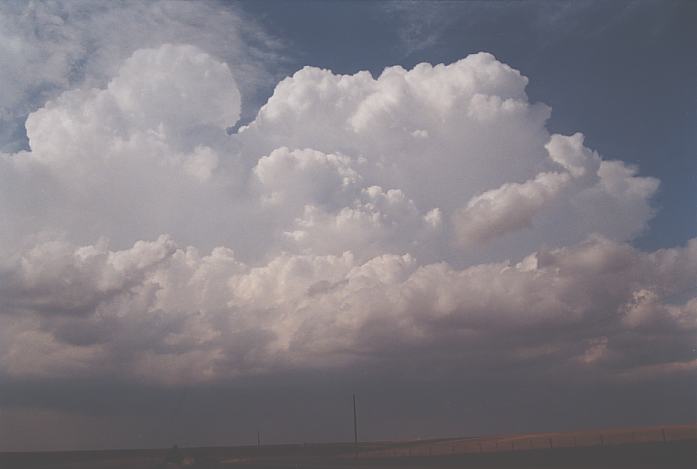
{"x":355,"y":423}
{"x":258,"y":439}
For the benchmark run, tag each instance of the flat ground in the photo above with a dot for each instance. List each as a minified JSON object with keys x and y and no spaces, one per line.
{"x":657,"y":447}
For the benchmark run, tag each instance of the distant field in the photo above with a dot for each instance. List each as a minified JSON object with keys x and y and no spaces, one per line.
{"x":654,"y":447}
{"x":531,"y":441}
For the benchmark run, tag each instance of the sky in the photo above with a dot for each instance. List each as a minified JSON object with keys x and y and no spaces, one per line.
{"x":224,"y":217}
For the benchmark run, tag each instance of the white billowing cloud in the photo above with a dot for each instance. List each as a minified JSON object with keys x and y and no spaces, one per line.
{"x":354,"y":219}
{"x":445,"y":135}
{"x":324,"y":206}
{"x":296,"y":178}
{"x":118,"y":161}
{"x":508,"y":208}
{"x":624,"y":198}
{"x":49,"y":47}
{"x":205,"y":92}
{"x":142,"y":103}
{"x":570,"y":153}
{"x":427,"y":121}
{"x":514,"y":206}
{"x":375,"y":222}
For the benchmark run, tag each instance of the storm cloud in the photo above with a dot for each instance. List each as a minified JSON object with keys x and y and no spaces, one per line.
{"x":425,"y":215}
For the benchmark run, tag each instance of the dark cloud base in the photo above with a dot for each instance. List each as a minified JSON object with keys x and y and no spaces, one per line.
{"x":317,"y":408}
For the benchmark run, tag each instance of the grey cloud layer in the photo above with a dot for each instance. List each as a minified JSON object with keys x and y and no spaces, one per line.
{"x":158,"y":312}
{"x":354,"y":218}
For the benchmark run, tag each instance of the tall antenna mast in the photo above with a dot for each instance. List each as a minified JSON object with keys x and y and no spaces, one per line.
{"x":355,"y":423}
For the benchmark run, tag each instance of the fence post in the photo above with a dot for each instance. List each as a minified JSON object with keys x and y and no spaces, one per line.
{"x":481,"y":450}
{"x":550,"y":443}
{"x":602,"y":440}
{"x":663,"y":432}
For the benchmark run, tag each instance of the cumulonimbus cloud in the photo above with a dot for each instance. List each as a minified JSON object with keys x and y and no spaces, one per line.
{"x":355,"y":217}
